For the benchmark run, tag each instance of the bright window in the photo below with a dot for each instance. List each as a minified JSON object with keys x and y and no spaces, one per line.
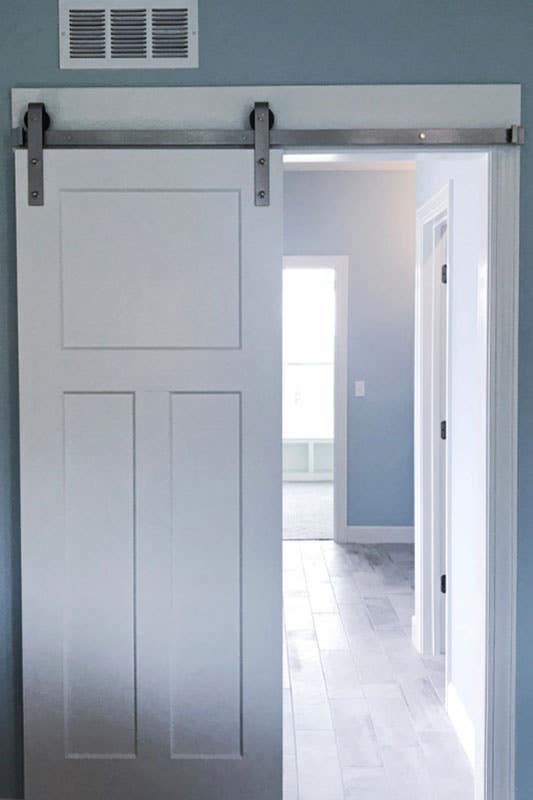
{"x":308,"y":353}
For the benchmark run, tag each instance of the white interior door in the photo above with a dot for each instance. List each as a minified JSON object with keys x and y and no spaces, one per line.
{"x":149,"y":291}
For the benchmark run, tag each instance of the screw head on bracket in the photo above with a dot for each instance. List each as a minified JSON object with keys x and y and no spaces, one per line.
{"x":261,"y":195}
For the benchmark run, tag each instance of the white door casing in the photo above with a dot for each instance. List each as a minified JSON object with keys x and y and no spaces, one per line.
{"x":431,"y":333}
{"x":441,"y":262}
{"x":149,"y":290}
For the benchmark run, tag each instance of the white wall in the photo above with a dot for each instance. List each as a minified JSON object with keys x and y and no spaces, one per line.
{"x":467,"y":377}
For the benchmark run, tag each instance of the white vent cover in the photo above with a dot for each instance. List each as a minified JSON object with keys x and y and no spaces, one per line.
{"x":128,"y":34}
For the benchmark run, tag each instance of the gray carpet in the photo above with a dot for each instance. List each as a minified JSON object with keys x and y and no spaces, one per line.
{"x":308,"y":510}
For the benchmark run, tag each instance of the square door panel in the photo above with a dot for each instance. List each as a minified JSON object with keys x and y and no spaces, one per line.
{"x":149,"y":269}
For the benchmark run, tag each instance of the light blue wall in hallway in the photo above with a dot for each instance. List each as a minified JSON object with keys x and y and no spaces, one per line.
{"x":258,"y":42}
{"x":369,"y":216}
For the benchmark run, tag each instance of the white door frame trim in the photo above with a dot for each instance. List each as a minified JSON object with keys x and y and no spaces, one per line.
{"x":427,"y":451}
{"x":340,"y":464}
{"x":395,"y":106}
{"x":502,"y":463}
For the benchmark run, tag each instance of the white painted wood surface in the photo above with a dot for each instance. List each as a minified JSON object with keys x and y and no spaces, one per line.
{"x":440,"y":302}
{"x":443,"y":105}
{"x":120,"y":287}
{"x":99,"y":605}
{"x":149,"y":291}
{"x":205,"y":454}
{"x":502,"y":423}
{"x":430,"y":409}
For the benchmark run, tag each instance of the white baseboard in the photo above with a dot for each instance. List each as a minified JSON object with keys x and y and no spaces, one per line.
{"x":379,"y":534}
{"x":461,"y":722}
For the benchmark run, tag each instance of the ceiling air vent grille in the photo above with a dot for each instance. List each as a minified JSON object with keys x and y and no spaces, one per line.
{"x":87,"y":33}
{"x":135,"y":34}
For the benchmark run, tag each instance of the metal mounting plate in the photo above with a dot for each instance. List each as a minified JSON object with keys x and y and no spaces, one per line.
{"x":35,"y":154}
{"x":262,"y":154}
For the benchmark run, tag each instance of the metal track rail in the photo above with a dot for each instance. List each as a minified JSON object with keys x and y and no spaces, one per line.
{"x":261,"y":136}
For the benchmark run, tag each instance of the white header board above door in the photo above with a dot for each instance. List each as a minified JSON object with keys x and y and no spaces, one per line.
{"x":312,"y":107}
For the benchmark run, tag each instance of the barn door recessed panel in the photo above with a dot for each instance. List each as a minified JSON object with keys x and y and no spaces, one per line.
{"x":99,"y":647}
{"x":151,"y":269}
{"x":206,"y":591}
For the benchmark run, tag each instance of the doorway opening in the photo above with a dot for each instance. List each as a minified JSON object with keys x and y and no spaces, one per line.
{"x":313,"y":381}
{"x":433,"y":221}
{"x":371,"y":707}
{"x":308,"y":400}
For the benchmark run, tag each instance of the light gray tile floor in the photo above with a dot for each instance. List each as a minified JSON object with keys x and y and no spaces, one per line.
{"x":363,"y":713}
{"x":308,"y":510}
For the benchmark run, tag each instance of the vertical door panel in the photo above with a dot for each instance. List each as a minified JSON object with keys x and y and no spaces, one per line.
{"x":206,"y":585}
{"x":99,"y":678}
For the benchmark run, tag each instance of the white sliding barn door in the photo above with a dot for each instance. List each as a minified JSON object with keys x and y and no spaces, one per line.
{"x":149,"y":290}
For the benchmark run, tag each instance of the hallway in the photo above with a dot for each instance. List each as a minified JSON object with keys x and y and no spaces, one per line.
{"x":363,"y":712}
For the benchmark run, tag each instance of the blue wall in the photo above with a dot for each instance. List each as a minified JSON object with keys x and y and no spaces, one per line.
{"x":280,"y":41}
{"x":369,"y":216}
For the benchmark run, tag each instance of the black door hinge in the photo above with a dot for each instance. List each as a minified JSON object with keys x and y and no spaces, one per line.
{"x":443,"y":584}
{"x":444,"y":273}
{"x":443,"y":429}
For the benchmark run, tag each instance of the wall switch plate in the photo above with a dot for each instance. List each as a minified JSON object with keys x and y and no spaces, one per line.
{"x":359,"y":388}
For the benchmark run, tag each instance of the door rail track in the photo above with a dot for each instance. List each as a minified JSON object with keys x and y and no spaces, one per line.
{"x":36,"y":135}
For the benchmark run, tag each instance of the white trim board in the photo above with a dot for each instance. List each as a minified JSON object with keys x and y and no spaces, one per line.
{"x":502,"y":424}
{"x":379,"y":534}
{"x":316,"y":107}
{"x":442,"y":105}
